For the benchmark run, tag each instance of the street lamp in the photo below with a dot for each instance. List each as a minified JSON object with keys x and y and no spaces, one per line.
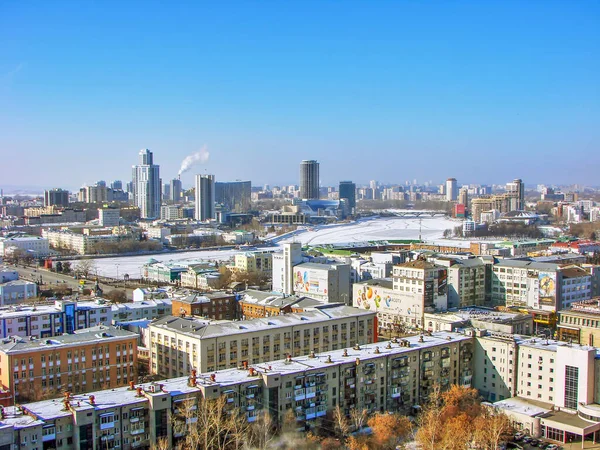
{"x":415,"y":306}
{"x":117,"y":275}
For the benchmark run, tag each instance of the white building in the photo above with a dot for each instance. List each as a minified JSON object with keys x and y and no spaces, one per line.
{"x":146,"y":186}
{"x":451,"y":190}
{"x":16,"y":291}
{"x":466,"y":281}
{"x":283,"y":267}
{"x":33,"y":245}
{"x":326,"y":282}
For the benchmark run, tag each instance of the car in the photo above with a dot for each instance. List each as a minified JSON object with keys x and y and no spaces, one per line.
{"x":527,"y":439}
{"x":552,"y":447}
{"x":534,"y":442}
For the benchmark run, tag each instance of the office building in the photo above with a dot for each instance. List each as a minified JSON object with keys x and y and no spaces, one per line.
{"x":309,"y":180}
{"x":451,"y":190}
{"x":176,"y":190}
{"x":217,"y":306}
{"x":56,"y":197}
{"x":109,"y":217}
{"x":116,"y":185}
{"x":283,"y":267}
{"x":179,"y":345}
{"x":93,"y":358}
{"x":348,"y":192}
{"x":147,"y":186}
{"x":32,"y":245}
{"x":516,"y":192}
{"x":234,"y":195}
{"x":205,"y":197}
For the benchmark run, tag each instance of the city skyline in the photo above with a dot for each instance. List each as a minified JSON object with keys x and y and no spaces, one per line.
{"x":482,"y":93}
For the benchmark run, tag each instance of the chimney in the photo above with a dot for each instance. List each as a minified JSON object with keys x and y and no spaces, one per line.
{"x":312,"y":354}
{"x":139,"y":392}
{"x":289,"y":357}
{"x":131,"y":385}
{"x":92,"y":400}
{"x":328,"y":360}
{"x":377,"y":350}
{"x":345,"y":352}
{"x":245,"y":364}
{"x":251,"y":372}
{"x":193,"y":378}
{"x":213,"y":377}
{"x":66,"y":404}
{"x":357,"y":361}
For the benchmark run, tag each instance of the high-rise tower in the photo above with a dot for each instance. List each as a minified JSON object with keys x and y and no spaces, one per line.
{"x":205,"y":197}
{"x":516,"y":190}
{"x":309,"y":180}
{"x":348,"y":192}
{"x":451,"y":189}
{"x":146,"y":186}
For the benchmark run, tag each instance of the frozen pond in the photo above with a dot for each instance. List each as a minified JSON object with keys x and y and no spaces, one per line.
{"x":432,"y":229}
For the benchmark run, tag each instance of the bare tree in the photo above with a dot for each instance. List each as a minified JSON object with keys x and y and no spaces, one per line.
{"x":340,"y":421}
{"x":85,"y":267}
{"x":358,"y":418}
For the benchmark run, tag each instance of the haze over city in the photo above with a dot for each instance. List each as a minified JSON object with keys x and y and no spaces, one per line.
{"x":483,"y":91}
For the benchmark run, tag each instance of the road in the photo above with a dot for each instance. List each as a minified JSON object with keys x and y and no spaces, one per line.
{"x":52,"y":278}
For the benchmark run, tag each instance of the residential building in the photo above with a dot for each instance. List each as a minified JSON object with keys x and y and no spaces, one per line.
{"x":146,"y":309}
{"x":86,"y":241}
{"x":257,"y":304}
{"x":216,"y":305}
{"x":205,"y":197}
{"x":451,"y":190}
{"x":146,"y":186}
{"x":493,"y":320}
{"x":257,"y":262}
{"x":466,"y":280}
{"x":200,"y":276}
{"x":234,"y":195}
{"x":516,"y":192}
{"x":181,"y":344}
{"x":56,"y":197}
{"x":309,"y":180}
{"x":93,"y":358}
{"x":394,"y":377}
{"x":171,"y":212}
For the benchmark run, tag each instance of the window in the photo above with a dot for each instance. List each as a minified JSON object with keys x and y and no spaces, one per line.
{"x":571,"y":388}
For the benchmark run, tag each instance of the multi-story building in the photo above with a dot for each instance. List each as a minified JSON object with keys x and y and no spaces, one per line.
{"x":580,"y":323}
{"x":32,"y":245}
{"x":163,"y":272}
{"x":257,"y":304}
{"x":175,"y":190}
{"x":87,"y":241}
{"x":234,"y":195}
{"x":543,"y":286}
{"x":309,"y":180}
{"x":466,"y":281}
{"x":16,"y":291}
{"x":171,"y":212}
{"x":283,"y":267}
{"x":93,"y":358}
{"x":56,"y":197}
{"x":180,"y":344}
{"x":217,"y":306}
{"x":205,"y":197}
{"x":393,"y":377}
{"x":109,"y":217}
{"x":259,"y":262}
{"x":516,"y":192}
{"x":507,"y":322}
{"x":146,"y":186}
{"x":325,"y":282}
{"x":451,"y":190}
{"x":147,"y":309}
{"x":348,"y":192}
{"x":200,"y":276}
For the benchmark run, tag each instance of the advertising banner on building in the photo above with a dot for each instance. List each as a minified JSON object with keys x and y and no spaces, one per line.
{"x":310,"y":281}
{"x":547,"y":281}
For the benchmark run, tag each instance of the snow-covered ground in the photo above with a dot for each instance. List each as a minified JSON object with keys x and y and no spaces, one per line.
{"x":432,"y":229}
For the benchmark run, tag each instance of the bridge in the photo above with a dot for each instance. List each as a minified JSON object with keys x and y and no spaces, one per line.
{"x":417,"y":213}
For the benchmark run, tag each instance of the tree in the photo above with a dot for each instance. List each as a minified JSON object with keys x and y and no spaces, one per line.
{"x":358,"y":418}
{"x":492,"y":428}
{"x":116,"y":295}
{"x":388,"y":430}
{"x":85,"y":267}
{"x":66,"y":267}
{"x":340,"y":421}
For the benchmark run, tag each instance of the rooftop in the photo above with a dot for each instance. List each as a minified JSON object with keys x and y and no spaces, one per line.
{"x":530,"y":408}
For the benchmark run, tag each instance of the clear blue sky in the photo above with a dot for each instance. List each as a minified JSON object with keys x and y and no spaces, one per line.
{"x":484,"y":91}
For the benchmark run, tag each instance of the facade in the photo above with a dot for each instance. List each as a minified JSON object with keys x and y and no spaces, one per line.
{"x":32,"y":245}
{"x":516,"y":191}
{"x":93,"y":358}
{"x":109,"y":217}
{"x":200,"y":276}
{"x":507,"y":322}
{"x":348,"y":192}
{"x":394,"y":377}
{"x":17,"y":291}
{"x":234,"y":195}
{"x":147,"y":309}
{"x":163,"y":272}
{"x":283,"y":267}
{"x":451,"y":190}
{"x":217,"y":306}
{"x":205,"y":197}
{"x":259,"y":262}
{"x":56,"y":197}
{"x":82,"y":243}
{"x":179,"y":345}
{"x":309,"y":180}
{"x":258,"y":304}
{"x":171,"y":212}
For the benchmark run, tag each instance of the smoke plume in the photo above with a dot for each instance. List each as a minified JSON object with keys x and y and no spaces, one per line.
{"x":193,"y":159}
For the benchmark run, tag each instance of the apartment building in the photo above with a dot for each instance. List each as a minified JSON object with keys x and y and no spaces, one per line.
{"x":260,"y":262}
{"x":93,"y":358}
{"x":146,"y":309}
{"x":16,"y":291}
{"x":179,"y":345}
{"x":374,"y":377}
{"x":542,"y":286}
{"x":33,"y":245}
{"x":85,"y":242}
{"x":200,"y":276}
{"x":466,"y":281}
{"x":218,"y":306}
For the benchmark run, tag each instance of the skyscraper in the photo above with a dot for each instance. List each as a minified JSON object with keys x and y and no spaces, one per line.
{"x":348,"y":192}
{"x":56,"y":197}
{"x":309,"y":180}
{"x":516,"y":190}
{"x":205,"y":197}
{"x":451,"y":189}
{"x":234,"y":195}
{"x":146,"y":186}
{"x":175,"y":190}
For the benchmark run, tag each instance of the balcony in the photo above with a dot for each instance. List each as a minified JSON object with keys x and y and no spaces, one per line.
{"x":137,"y":431}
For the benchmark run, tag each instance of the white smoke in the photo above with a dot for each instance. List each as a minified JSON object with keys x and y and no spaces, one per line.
{"x":193,"y":159}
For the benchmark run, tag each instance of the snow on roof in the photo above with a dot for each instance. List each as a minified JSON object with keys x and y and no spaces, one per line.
{"x":528,"y":407}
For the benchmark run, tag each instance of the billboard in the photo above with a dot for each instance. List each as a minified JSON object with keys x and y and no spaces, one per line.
{"x":547,"y":292}
{"x":384,"y":300}
{"x":310,"y":281}
{"x":442,"y":281}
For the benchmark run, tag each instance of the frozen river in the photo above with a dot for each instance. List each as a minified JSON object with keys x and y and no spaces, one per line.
{"x":432,"y":229}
